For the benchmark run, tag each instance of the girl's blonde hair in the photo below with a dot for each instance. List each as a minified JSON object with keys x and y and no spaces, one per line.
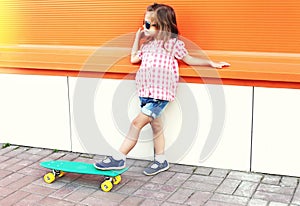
{"x":165,"y":19}
{"x":153,"y":7}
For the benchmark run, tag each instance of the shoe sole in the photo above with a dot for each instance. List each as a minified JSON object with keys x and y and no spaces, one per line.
{"x":109,"y":168}
{"x":155,"y":173}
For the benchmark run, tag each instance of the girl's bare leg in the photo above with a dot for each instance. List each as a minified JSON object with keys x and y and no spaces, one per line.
{"x":160,"y":162}
{"x":131,"y":139}
{"x":158,"y":136}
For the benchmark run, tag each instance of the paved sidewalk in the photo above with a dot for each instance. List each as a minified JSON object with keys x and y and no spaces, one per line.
{"x":21,"y":183}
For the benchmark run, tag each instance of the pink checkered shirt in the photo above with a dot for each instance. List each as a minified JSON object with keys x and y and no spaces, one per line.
{"x":158,"y":74}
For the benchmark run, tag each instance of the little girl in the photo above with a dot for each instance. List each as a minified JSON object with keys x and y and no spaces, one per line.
{"x":156,"y":82}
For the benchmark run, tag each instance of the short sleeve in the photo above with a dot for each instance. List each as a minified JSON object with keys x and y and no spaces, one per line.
{"x":180,"y":50}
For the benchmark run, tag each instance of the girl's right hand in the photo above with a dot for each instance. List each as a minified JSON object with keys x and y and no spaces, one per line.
{"x":139,"y":33}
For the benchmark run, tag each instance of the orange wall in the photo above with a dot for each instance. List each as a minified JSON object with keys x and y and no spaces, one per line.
{"x":237,"y":25}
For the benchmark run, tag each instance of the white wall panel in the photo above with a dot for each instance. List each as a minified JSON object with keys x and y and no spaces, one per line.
{"x":34,"y":111}
{"x":276,"y":136}
{"x":231,"y":147}
{"x":102,"y":110}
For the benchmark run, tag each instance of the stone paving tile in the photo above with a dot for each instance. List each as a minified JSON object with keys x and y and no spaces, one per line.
{"x":163,"y":177}
{"x":7,"y":149}
{"x":4,"y":191}
{"x":231,"y":199}
{"x":137,"y":173}
{"x":9,"y":162}
{"x":14,"y":198}
{"x":50,"y":201}
{"x":109,"y":196}
{"x":70,"y":156}
{"x":246,"y":176}
{"x":178,"y":179}
{"x":4,"y":173}
{"x":151,"y":194}
{"x":31,"y":157}
{"x":140,"y":163}
{"x":31,"y":199}
{"x":257,"y":202}
{"x":65,"y":191}
{"x":21,"y":183}
{"x":81,"y":180}
{"x":41,"y":183}
{"x":206,"y":179}
{"x":24,"y":181}
{"x":131,"y":187}
{"x":271,"y":179}
{"x":180,"y":196}
{"x":45,"y":152}
{"x":93,"y":201}
{"x":289,"y":181}
{"x":170,"y":204}
{"x":216,"y":203}
{"x":52,"y":156}
{"x":228,"y":186}
{"x":219,"y":173}
{"x":160,"y":187}
{"x":34,"y":150}
{"x":198,"y":198}
{"x":151,"y":202}
{"x":203,"y":171}
{"x":19,"y":165}
{"x":246,"y":189}
{"x":296,"y":198}
{"x":182,"y":168}
{"x":3,"y":158}
{"x":79,"y":194}
{"x":277,"y":204}
{"x":200,"y":186}
{"x":276,"y":189}
{"x":10,"y":179}
{"x":35,"y":172}
{"x":39,"y":190}
{"x":132,"y":201}
{"x":16,"y":151}
{"x":269,"y":196}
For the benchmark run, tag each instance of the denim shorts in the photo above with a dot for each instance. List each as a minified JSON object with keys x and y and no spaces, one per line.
{"x":153,"y":107}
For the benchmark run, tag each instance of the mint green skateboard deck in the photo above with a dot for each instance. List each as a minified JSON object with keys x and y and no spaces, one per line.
{"x":60,"y":167}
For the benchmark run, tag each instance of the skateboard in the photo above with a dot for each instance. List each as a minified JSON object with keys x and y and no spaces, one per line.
{"x":60,"y":167}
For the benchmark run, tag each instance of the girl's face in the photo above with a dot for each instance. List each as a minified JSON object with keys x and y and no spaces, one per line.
{"x":150,"y":27}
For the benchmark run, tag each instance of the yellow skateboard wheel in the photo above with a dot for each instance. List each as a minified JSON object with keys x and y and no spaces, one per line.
{"x":106,"y":186}
{"x":49,"y":178}
{"x":117,"y":179}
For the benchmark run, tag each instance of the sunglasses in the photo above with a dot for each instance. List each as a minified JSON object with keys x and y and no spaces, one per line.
{"x":148,"y":24}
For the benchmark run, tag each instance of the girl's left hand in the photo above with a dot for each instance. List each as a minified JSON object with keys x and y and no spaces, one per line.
{"x":219,"y":65}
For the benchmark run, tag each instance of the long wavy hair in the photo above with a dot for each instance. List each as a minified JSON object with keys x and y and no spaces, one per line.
{"x":165,"y":19}
{"x":153,"y":7}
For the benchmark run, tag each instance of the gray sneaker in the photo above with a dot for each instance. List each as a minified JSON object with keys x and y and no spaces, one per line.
{"x":109,"y":163}
{"x":156,"y":167}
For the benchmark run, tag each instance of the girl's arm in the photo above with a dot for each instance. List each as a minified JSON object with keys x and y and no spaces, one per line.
{"x":134,"y":56}
{"x":194,"y":61}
